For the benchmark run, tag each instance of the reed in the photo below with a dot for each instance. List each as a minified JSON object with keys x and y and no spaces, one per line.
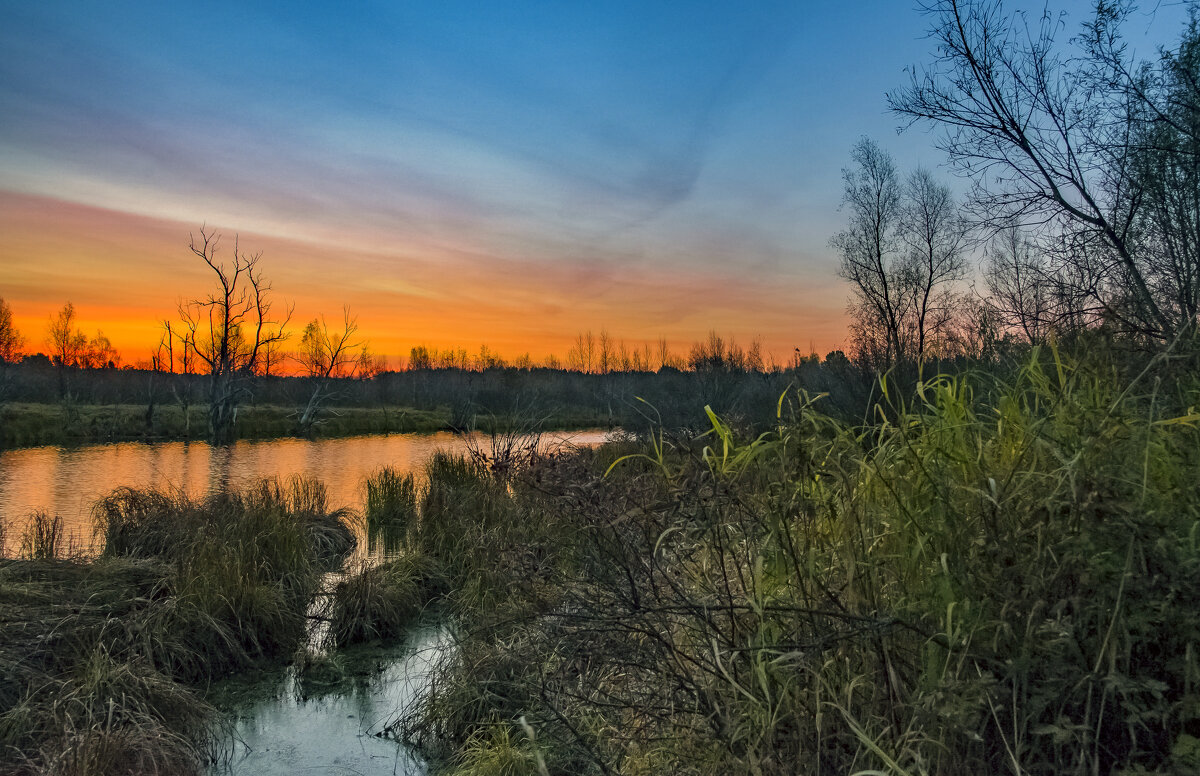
{"x":391,"y":503}
{"x":45,"y":538}
{"x":995,"y":574}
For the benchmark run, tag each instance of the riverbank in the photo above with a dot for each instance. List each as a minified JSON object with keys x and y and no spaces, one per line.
{"x":994,"y":577}
{"x":106,"y":661}
{"x":28,"y":424}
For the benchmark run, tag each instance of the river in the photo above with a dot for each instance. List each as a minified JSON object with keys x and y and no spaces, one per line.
{"x":68,"y":481}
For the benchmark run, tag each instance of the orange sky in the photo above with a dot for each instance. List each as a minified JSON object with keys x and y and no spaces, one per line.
{"x":126,"y":272}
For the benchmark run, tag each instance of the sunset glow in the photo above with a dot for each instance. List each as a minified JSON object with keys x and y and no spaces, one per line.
{"x":458,"y":174}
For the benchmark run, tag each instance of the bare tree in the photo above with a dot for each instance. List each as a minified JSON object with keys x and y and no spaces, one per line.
{"x":582,"y":354}
{"x":1021,"y":287}
{"x":325,"y":357}
{"x":935,"y":234}
{"x":1097,"y":152}
{"x":903,"y":251}
{"x":665,"y":358}
{"x":230,"y":330}
{"x":870,"y":247}
{"x":68,"y":346}
{"x":12,"y":346}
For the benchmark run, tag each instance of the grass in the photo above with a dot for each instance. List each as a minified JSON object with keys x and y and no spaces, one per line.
{"x":380,"y":601}
{"x":45,"y":538}
{"x":27,"y":424}
{"x":101,"y":658}
{"x":992,"y":576}
{"x":391,"y":503}
{"x":75,"y":695}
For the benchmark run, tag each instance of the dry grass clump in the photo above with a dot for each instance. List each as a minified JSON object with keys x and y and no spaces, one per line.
{"x":106,"y":716}
{"x":392,"y":500}
{"x":96,"y":656}
{"x":45,"y":538}
{"x":77,"y":692}
{"x":150,"y":523}
{"x":380,"y":601}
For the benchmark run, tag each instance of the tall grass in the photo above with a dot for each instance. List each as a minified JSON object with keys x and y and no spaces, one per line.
{"x":45,"y":538}
{"x":992,"y":576}
{"x":381,"y":600}
{"x":97,"y":656}
{"x":245,"y":567}
{"x":391,"y":503}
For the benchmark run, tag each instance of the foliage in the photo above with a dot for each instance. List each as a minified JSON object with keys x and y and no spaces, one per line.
{"x":994,"y":575}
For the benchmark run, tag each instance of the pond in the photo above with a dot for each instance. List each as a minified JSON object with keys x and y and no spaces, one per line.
{"x":67,"y":481}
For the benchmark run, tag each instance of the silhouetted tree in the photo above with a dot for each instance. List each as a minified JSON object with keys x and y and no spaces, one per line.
{"x":1100,"y":153}
{"x":935,"y":235}
{"x":230,"y":330}
{"x":324,"y":357}
{"x":902,"y":252}
{"x":12,"y":346}
{"x":1021,"y":287}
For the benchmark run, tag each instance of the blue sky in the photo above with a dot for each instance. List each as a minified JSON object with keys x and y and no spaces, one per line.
{"x":593,"y":151}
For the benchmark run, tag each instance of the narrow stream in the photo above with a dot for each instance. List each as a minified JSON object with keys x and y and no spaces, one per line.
{"x":329,"y":720}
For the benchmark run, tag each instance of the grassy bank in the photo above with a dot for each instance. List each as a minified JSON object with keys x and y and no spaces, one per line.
{"x":26,"y":424}
{"x":993,"y":579}
{"x":103,"y":660}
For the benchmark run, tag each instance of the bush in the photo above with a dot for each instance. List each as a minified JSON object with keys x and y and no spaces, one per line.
{"x":380,"y":601}
{"x":993,"y":575}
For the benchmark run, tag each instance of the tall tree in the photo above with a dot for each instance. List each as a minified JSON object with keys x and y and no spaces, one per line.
{"x":12,"y":344}
{"x":870,"y":246}
{"x":1021,"y":288}
{"x":903,"y":251}
{"x":935,"y":234}
{"x":1096,"y":151}
{"x":68,"y":346}
{"x":230,"y":330}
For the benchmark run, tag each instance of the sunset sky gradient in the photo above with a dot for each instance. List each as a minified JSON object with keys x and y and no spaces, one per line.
{"x":457,"y":172}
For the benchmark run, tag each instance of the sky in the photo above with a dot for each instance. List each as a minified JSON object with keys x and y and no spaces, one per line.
{"x":458,"y":173}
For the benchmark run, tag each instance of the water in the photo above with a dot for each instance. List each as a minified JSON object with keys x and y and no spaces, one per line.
{"x":287,"y":724}
{"x":283,"y":722}
{"x":67,"y":481}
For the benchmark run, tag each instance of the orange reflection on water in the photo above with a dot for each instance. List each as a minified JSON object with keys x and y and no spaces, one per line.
{"x":69,"y":481}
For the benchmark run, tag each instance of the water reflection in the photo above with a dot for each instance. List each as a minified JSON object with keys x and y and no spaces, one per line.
{"x":68,"y":481}
{"x":284,"y":724}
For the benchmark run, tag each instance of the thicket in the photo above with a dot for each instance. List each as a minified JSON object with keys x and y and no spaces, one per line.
{"x":992,"y":575}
